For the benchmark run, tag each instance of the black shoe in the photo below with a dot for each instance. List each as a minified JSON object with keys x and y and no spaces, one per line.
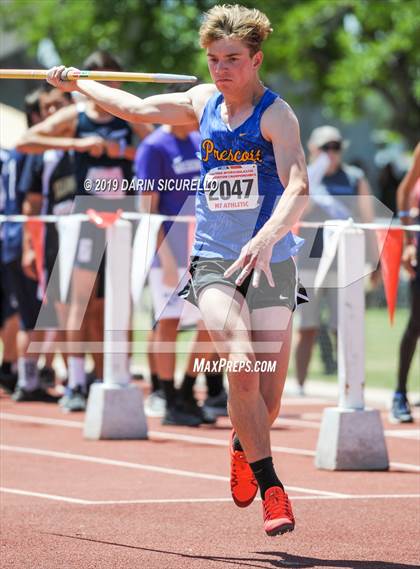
{"x":47,"y":377}
{"x":205,"y":415}
{"x":217,"y":405}
{"x":400,"y":411}
{"x":178,"y":416}
{"x":90,"y":380}
{"x":138,"y":376}
{"x":39,"y":394}
{"x":8,"y":382}
{"x":73,"y":400}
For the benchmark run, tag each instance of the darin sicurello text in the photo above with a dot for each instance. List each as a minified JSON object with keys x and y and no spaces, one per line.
{"x":163,"y":184}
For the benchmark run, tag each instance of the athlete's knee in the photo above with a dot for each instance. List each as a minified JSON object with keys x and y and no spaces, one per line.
{"x":239,"y":361}
{"x":241,"y":375}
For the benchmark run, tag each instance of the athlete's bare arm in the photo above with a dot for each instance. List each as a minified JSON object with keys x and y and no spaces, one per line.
{"x":409,"y":258}
{"x":142,"y":130}
{"x":408,"y":182}
{"x":58,"y":132}
{"x":280,"y":126}
{"x":31,"y":206}
{"x":173,"y":108}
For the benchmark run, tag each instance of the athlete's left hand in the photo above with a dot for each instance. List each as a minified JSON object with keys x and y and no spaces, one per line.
{"x":112,"y":149}
{"x":56,"y":77}
{"x":375,"y":277}
{"x":255,"y":255}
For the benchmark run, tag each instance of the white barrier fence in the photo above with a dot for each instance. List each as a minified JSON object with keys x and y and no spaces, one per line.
{"x":351,"y":437}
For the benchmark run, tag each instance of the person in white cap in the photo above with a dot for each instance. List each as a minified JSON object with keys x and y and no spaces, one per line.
{"x":330,"y":179}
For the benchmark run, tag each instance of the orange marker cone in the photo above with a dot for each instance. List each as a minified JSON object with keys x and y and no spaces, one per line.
{"x":103,"y":219}
{"x":390,"y":243}
{"x":36,"y":231}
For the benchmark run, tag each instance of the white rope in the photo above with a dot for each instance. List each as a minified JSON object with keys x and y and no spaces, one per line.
{"x":135,"y":216}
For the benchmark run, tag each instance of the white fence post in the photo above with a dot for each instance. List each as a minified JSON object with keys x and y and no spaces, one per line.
{"x":351,"y":437}
{"x":117,"y":304}
{"x":115,"y":407}
{"x":351,"y":326}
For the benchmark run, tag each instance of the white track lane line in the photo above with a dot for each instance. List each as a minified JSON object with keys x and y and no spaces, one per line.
{"x":404,"y":434}
{"x":405,"y":466}
{"x":222,"y":442}
{"x":111,"y":462}
{"x":298,"y":423}
{"x":148,"y":467}
{"x":46,"y":496}
{"x":64,"y":423}
{"x":157,"y":434}
{"x":41,"y":420}
{"x":183,"y":438}
{"x":294,"y":498}
{"x":80,"y":501}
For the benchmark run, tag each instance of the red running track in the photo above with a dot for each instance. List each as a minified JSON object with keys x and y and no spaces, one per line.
{"x":164,"y":503}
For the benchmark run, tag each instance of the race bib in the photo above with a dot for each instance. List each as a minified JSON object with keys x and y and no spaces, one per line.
{"x":232,"y":187}
{"x":106,"y":182}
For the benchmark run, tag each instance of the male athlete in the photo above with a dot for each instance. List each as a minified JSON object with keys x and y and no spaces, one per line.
{"x":253,"y":190}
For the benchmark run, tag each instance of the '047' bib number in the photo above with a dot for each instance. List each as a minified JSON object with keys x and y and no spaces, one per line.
{"x":232,"y":187}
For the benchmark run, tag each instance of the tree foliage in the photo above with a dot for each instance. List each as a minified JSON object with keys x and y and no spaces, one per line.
{"x":147,"y":35}
{"x":338,"y":52}
{"x":345,"y":51}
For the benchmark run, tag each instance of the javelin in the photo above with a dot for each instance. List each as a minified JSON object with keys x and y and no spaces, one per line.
{"x":100,"y":76}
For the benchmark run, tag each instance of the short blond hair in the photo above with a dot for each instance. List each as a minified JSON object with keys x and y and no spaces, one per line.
{"x":236,"y":22}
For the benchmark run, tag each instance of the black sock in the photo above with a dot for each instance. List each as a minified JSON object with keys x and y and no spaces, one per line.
{"x":154,"y":378}
{"x":187,"y":386}
{"x":214,"y":384}
{"x":170,"y":392}
{"x":236,"y":444}
{"x":6,"y":367}
{"x":265,"y":474}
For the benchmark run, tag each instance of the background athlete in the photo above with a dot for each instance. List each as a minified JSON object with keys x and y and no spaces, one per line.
{"x":409,"y":194}
{"x":104,"y":150}
{"x":242,"y":232}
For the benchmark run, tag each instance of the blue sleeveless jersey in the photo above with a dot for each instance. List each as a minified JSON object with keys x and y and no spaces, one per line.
{"x":239,"y":185}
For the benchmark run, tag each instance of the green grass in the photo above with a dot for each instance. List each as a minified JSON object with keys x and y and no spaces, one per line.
{"x":382,"y":343}
{"x":381,"y":355}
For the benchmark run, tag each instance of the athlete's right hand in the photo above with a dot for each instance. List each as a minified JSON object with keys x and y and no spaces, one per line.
{"x":409,"y":259}
{"x":29,"y":263}
{"x":255,"y":256}
{"x":112,"y":149}
{"x":55,"y":77}
{"x":94,"y":145}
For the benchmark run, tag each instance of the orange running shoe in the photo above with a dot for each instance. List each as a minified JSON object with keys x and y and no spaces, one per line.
{"x":242,"y":480}
{"x":278,"y":515}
